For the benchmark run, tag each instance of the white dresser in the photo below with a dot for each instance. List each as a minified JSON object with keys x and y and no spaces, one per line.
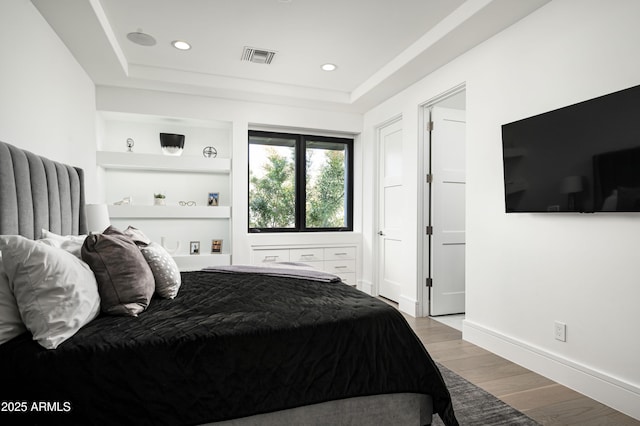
{"x":339,"y":260}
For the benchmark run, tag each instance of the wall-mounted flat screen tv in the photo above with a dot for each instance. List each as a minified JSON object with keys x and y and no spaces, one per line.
{"x":581,"y":158}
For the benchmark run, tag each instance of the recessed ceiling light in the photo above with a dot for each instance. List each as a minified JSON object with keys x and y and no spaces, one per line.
{"x":138,"y":37}
{"x":329,"y":67}
{"x":181,"y":45}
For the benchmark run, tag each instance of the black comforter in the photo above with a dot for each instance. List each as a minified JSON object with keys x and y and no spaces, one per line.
{"x":229,"y":345}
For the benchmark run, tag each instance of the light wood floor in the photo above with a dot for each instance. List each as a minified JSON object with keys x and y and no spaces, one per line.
{"x":543,"y":400}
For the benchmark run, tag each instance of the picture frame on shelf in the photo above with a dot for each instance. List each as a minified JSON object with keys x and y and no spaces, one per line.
{"x":216,"y":246}
{"x":194,"y":247}
{"x":213,"y":199}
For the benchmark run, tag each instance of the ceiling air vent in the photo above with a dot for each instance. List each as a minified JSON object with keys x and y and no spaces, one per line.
{"x":257,"y":56}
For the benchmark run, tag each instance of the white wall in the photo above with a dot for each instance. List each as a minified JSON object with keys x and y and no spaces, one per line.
{"x":242,"y":116}
{"x":47,"y":101}
{"x":524,"y":271}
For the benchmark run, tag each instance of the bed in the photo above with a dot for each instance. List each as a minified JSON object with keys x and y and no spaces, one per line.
{"x":232,"y":347}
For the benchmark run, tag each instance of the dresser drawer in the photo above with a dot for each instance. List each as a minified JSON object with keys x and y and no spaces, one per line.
{"x":339,"y":253}
{"x":348,"y":278}
{"x":306,"y":255}
{"x":340,"y":261}
{"x":340,"y":266}
{"x":270,"y":256}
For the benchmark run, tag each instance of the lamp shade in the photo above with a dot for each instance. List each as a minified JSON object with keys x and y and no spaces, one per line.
{"x":97,"y":217}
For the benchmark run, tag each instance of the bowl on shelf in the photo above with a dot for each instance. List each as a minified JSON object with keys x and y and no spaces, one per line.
{"x":171,"y":143}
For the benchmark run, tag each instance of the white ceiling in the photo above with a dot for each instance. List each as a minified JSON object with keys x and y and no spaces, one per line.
{"x":379,"y":46}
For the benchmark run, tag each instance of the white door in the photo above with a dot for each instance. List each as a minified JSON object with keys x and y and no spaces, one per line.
{"x":390,"y":210}
{"x":446,"y":251}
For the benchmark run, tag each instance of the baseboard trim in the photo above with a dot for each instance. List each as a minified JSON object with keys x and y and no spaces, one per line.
{"x":614,"y":392}
{"x":367,"y":287}
{"x":408,"y":306}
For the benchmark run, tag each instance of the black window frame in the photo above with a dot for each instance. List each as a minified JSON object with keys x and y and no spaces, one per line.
{"x":301,"y":141}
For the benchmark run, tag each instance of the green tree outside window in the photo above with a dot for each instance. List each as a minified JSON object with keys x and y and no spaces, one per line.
{"x":299,"y":183}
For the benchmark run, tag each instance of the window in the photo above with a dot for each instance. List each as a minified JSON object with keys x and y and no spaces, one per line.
{"x":300,"y":183}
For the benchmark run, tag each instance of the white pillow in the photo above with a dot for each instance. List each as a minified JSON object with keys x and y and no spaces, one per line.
{"x":10,"y":322}
{"x":164,"y":268}
{"x":70,"y":243}
{"x":56,"y":292}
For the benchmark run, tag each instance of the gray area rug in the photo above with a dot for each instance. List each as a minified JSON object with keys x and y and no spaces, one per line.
{"x":475,"y":406}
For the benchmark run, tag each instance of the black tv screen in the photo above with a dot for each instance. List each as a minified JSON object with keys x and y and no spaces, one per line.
{"x":581,"y":158}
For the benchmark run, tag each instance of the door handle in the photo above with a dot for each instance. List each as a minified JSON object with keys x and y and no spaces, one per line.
{"x":381,"y":233}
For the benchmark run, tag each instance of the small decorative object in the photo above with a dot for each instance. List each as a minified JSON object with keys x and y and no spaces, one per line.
{"x":124,"y":202}
{"x":194,"y":247}
{"x":158,"y":199}
{"x":209,"y":152}
{"x":216,"y":246}
{"x":170,"y":251}
{"x":187,"y":203}
{"x":213,"y":199}
{"x":130,"y":144}
{"x":171,"y":143}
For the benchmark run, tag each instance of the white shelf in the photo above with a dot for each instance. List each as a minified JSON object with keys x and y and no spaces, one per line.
{"x":189,"y":176}
{"x":163,"y":163}
{"x":196,"y":262}
{"x":169,"y":212}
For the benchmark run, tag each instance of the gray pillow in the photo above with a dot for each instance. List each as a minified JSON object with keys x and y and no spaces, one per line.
{"x":137,"y":236}
{"x":125,"y":281}
{"x":164,"y":268}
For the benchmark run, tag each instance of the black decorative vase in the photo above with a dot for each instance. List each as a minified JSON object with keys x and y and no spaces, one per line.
{"x":171,"y":143}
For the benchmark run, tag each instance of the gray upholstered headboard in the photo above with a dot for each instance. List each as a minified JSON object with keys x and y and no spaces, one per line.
{"x":37,"y":193}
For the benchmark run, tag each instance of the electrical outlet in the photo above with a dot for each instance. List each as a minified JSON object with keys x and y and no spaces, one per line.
{"x":561,"y":331}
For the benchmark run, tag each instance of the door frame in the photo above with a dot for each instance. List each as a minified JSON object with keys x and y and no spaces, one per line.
{"x":375,"y":290}
{"x":423,"y":188}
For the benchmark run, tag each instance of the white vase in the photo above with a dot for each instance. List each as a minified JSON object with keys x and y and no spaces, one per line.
{"x":170,"y":251}
{"x":158,"y":201}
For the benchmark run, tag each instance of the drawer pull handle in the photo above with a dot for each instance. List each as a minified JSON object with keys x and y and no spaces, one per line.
{"x":270,"y":258}
{"x":340,"y":267}
{"x":306,"y":255}
{"x":340,"y":254}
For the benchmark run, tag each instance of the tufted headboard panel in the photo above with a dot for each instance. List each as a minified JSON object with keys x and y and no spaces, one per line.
{"x":37,"y":193}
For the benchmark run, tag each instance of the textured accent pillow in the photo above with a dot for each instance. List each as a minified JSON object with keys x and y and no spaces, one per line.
{"x":164,"y":268}
{"x":125,"y":281}
{"x":56,"y":293}
{"x":70,"y":243}
{"x":10,"y":322}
